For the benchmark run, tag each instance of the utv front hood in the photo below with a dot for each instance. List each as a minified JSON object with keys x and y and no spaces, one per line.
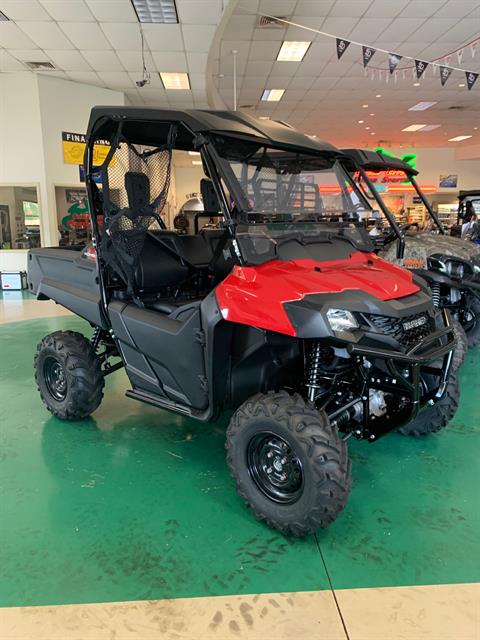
{"x":256,"y":296}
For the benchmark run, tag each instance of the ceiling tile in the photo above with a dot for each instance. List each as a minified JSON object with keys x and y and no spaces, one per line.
{"x":11,"y":37}
{"x":31,"y":55}
{"x":385,"y":8}
{"x":422,"y":8}
{"x":171,"y":62}
{"x":261,"y":35}
{"x":86,"y":35}
{"x":47,"y":35}
{"x":132,"y":60}
{"x":369,"y":29}
{"x":103,"y":60}
{"x":277,"y":7}
{"x":9,"y":63}
{"x":123,"y":36}
{"x":68,"y":60}
{"x":71,"y":11}
{"x":339,"y":26}
{"x":318,"y":8}
{"x":264,"y":50}
{"x":86,"y":77}
{"x":116,"y":79}
{"x":259,"y":68}
{"x":163,"y":37}
{"x":457,"y":8}
{"x":401,"y":28}
{"x":197,"y":81}
{"x":349,"y":8}
{"x":195,"y":12}
{"x":23,"y":10}
{"x":197,"y":62}
{"x":112,"y":10}
{"x":198,"y":38}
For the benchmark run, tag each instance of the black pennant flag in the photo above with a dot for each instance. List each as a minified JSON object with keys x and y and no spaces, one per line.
{"x":393,"y":60}
{"x":445,"y":73}
{"x":471,"y":79}
{"x":342,"y":46}
{"x":420,"y":66}
{"x":368,"y":53}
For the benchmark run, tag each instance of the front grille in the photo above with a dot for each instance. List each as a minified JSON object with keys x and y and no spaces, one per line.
{"x":403,"y":329}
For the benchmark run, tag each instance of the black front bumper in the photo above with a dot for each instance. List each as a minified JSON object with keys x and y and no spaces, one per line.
{"x":417,"y":360}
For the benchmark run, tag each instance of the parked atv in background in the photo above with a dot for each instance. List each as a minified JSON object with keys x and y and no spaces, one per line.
{"x":450,"y":265}
{"x":284,"y":314}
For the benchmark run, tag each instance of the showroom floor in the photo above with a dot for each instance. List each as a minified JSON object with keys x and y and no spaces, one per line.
{"x":135,"y":507}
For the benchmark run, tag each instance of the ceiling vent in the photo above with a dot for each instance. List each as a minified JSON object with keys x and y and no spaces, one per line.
{"x":3,"y":17}
{"x":264,"y":22}
{"x":40,"y":66}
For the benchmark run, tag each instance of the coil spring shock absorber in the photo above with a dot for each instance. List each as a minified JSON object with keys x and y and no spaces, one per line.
{"x":435,"y":287}
{"x":316,"y":355}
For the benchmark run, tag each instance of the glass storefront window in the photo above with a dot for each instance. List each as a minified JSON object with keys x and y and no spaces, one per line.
{"x":19,"y":217}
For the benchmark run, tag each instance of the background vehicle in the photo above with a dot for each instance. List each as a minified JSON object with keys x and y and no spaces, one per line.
{"x":450,"y":265}
{"x":468,"y":216}
{"x":284,"y":314}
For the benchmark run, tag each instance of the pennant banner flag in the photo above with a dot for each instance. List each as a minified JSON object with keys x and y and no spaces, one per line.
{"x":471,"y":79}
{"x":368,"y":53}
{"x":342,"y":46}
{"x":420,"y":67}
{"x":393,"y":60}
{"x":445,"y":73}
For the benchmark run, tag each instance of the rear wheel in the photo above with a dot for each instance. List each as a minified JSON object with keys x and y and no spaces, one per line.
{"x":436,"y":417}
{"x":68,"y":375}
{"x":290,"y":465}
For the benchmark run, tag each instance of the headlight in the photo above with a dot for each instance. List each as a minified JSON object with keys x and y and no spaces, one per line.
{"x":341,"y":320}
{"x":455,"y":269}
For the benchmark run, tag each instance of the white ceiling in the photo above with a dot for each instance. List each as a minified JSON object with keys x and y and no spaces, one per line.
{"x":324,"y":97}
{"x":98,"y":42}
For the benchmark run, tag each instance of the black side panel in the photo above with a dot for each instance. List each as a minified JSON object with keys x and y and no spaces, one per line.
{"x":162,"y":355}
{"x":68,"y":278}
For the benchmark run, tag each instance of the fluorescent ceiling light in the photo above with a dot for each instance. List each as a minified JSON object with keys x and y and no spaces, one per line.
{"x":459,"y":138}
{"x":175,"y":80}
{"x":430,"y":127}
{"x":196,"y":162}
{"x":421,"y":106}
{"x":361,"y":121}
{"x":272,"y":95}
{"x":414,"y":127}
{"x":194,"y":153}
{"x":293,"y":51}
{"x":163,"y":11}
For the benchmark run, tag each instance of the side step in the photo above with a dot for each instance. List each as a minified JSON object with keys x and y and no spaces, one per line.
{"x":165,"y":403}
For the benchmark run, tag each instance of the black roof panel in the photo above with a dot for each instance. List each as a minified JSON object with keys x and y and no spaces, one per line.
{"x":375,"y":161}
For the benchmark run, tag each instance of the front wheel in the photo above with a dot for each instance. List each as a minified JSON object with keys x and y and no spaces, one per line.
{"x":290,"y":465}
{"x":68,"y":375}
{"x":436,"y":417}
{"x":470,"y":319}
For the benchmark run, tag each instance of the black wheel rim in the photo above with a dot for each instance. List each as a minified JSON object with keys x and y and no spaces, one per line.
{"x":469,"y":320}
{"x":275,"y":468}
{"x":55,"y":378}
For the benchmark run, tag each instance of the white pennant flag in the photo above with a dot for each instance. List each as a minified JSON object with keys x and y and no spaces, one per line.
{"x":395,"y":76}
{"x":473,"y":49}
{"x":460,"y":56}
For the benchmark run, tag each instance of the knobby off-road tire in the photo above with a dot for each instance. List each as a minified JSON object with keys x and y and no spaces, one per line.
{"x":461,"y":348}
{"x":436,"y":417}
{"x":68,"y":375}
{"x":311,"y":447}
{"x":473,"y":334}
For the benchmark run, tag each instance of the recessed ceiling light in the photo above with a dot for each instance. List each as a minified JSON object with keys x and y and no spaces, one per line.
{"x":422,"y":106}
{"x":272,"y":95}
{"x":264,"y":118}
{"x":194,"y":153}
{"x":414,"y":127}
{"x":361,"y":121}
{"x":196,"y":162}
{"x":371,"y":114}
{"x":459,"y":138}
{"x":293,"y":51}
{"x":475,"y":128}
{"x":373,"y":133}
{"x":367,"y":128}
{"x":312,"y":136}
{"x":416,"y":84}
{"x":365,"y":106}
{"x":461,"y":84}
{"x":379,"y":95}
{"x":175,"y":81}
{"x":163,"y":11}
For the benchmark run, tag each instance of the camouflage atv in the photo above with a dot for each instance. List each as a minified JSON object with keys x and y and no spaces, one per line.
{"x":450,"y":265}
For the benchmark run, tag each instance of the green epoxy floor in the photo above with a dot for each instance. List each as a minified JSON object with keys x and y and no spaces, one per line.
{"x":136,"y":503}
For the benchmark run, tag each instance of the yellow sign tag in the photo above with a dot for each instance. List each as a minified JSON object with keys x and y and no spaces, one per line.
{"x":74,"y":149}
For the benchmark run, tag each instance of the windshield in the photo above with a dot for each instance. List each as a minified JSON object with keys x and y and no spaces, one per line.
{"x":291,"y":204}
